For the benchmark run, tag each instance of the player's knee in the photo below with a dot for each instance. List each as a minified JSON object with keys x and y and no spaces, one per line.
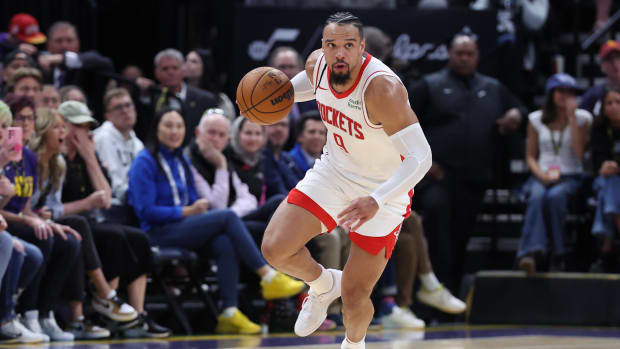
{"x":269,"y":248}
{"x":355,"y":293}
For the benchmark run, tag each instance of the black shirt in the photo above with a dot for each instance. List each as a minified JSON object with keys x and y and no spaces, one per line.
{"x":605,"y":143}
{"x":459,"y":117}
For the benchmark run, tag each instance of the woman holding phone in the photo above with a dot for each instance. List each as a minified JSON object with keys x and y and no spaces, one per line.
{"x":59,"y":244}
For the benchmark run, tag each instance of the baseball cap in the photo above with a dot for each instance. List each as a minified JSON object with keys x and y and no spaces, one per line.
{"x":561,"y":80}
{"x":26,"y":28}
{"x":608,"y":47}
{"x":76,"y":113}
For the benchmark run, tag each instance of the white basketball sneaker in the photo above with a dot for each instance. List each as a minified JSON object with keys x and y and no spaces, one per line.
{"x":314,"y":308}
{"x":442,"y":299}
{"x":400,"y":318}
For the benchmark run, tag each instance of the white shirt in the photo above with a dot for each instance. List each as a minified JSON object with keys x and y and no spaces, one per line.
{"x":565,"y":158}
{"x":116,"y":155}
{"x":361,"y":151}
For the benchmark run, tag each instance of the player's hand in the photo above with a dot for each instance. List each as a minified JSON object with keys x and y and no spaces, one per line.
{"x":360,"y":211}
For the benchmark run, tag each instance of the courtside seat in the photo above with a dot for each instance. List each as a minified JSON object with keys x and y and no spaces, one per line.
{"x":165,"y":257}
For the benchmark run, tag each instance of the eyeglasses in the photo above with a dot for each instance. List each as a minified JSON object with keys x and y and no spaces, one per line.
{"x":120,"y":107}
{"x":29,"y":118}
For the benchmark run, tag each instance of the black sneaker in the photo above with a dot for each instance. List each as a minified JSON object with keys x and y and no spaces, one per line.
{"x":147,"y":328}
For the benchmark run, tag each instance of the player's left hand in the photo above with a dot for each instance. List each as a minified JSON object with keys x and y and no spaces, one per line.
{"x":360,"y":211}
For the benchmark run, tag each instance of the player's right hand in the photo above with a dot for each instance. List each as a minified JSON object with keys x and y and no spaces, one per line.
{"x":360,"y":211}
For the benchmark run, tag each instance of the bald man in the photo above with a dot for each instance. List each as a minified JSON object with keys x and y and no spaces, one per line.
{"x":215,"y":180}
{"x":465,"y":115}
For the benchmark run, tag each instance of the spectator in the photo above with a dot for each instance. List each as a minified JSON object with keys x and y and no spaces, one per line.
{"x":125,"y":250}
{"x":49,"y":97}
{"x":176,"y":94}
{"x":162,"y":192}
{"x":13,"y":61}
{"x":131,"y":73}
{"x":23,"y":34}
{"x":66,"y":65}
{"x":22,"y":259}
{"x":278,"y":164}
{"x":312,"y":136}
{"x":288,"y":60}
{"x":25,"y":262}
{"x":610,"y":66}
{"x":199,"y":72}
{"x":116,"y":146}
{"x":72,"y":93}
{"x":245,"y":152}
{"x":59,"y":246}
{"x":606,"y":160}
{"x":557,"y":136}
{"x":26,"y":82}
{"x":214,"y":176}
{"x":461,"y":112}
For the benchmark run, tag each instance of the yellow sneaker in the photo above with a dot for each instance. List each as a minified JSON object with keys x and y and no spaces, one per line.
{"x":236,"y":324}
{"x":281,"y":286}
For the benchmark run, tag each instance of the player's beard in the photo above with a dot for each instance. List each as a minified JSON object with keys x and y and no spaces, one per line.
{"x":340,"y":79}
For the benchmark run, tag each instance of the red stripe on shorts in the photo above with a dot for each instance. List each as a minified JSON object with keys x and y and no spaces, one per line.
{"x":374,"y":245}
{"x":302,"y":200}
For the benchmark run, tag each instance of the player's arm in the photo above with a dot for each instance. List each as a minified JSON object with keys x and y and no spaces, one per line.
{"x":302,"y":82}
{"x":386,"y":102}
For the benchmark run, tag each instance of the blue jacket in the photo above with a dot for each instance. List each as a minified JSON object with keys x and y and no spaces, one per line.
{"x":150,"y":193}
{"x":281,"y":175}
{"x":300,"y":159}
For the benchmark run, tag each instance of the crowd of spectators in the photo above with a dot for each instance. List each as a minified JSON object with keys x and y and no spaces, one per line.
{"x":97,"y":171}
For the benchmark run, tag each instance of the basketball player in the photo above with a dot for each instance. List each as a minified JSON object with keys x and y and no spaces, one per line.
{"x":375,"y":153}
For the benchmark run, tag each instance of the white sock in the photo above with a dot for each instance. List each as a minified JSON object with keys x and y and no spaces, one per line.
{"x":323,"y":283}
{"x":269,"y":275}
{"x":111,"y":294}
{"x":347,"y":343}
{"x":229,"y":312}
{"x":429,"y":281}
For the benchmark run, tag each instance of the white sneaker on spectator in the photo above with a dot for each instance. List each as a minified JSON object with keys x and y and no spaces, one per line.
{"x":399,"y":318}
{"x":441,"y":299}
{"x":51,"y":328}
{"x":14,"y":327}
{"x":31,"y":322}
{"x":84,"y":329}
{"x":314,"y":308}
{"x":114,"y":308}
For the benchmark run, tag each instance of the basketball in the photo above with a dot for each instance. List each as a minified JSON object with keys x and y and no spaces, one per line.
{"x":265,"y":95}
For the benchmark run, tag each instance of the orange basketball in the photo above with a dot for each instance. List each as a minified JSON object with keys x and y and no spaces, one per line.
{"x":265,"y":95}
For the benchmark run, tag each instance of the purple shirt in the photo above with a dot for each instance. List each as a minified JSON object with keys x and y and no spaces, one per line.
{"x":23,"y":175}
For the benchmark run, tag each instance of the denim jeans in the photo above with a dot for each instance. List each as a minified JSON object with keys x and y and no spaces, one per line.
{"x":217,"y":233}
{"x":608,"y":205}
{"x":6,"y":248}
{"x":22,"y":269}
{"x":546,"y":211}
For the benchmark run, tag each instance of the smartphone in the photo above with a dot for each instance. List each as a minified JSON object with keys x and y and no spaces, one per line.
{"x":14,"y":143}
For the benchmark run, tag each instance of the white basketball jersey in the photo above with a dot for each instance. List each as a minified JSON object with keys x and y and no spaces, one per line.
{"x":361,"y":151}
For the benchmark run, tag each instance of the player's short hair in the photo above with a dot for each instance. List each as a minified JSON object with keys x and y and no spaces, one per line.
{"x":342,"y":18}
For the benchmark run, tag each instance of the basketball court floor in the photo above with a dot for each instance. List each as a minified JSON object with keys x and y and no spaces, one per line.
{"x":463,"y":337}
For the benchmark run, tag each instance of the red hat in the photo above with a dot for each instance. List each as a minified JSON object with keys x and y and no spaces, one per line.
{"x":608,"y":47}
{"x":26,"y":28}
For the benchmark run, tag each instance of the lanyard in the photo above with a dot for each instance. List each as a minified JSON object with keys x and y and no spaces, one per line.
{"x":556,"y":145}
{"x":173,"y":184}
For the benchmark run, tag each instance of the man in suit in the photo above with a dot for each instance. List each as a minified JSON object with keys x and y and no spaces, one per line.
{"x":175,"y":93}
{"x":64,"y":64}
